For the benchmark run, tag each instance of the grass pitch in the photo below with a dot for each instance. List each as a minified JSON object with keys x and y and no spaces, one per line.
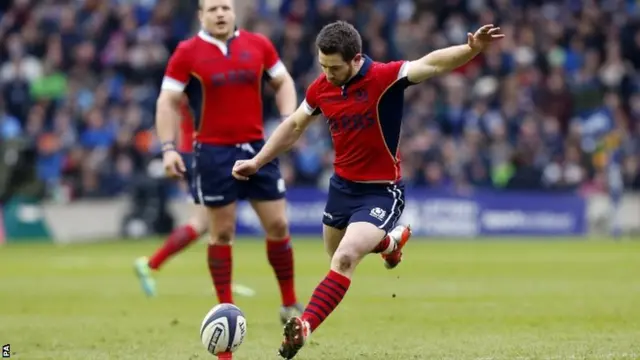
{"x":448,"y":300}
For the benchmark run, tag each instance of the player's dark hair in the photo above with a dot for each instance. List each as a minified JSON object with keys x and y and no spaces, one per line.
{"x":339,"y":37}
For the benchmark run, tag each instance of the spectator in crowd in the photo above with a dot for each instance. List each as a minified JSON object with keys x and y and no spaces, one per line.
{"x":537,"y":112}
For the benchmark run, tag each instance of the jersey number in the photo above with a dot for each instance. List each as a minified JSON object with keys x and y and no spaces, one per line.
{"x":349,"y":122}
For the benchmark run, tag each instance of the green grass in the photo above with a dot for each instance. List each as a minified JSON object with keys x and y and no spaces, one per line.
{"x":448,"y":300}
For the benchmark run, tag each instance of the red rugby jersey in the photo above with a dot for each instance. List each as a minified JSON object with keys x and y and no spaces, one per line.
{"x":223,"y":81}
{"x":364,"y":118}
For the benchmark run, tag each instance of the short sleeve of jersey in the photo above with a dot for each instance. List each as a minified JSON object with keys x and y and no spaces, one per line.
{"x":178,"y":70}
{"x":393,"y":72}
{"x":272,"y":63}
{"x":310,"y":102}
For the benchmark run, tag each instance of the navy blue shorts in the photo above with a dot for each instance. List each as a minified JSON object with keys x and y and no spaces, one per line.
{"x":213,"y":185}
{"x":349,"y":202}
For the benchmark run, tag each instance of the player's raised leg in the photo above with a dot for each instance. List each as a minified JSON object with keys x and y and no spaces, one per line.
{"x":272,"y":214}
{"x":219,"y":252}
{"x":179,"y":239}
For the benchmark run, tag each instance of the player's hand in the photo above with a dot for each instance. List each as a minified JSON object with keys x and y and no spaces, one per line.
{"x":484,"y":37}
{"x":242,"y":169}
{"x":173,"y":164}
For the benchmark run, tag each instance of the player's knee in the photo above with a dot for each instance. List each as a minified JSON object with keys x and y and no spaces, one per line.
{"x":344,"y":261}
{"x":277,"y":228}
{"x":222,"y":237}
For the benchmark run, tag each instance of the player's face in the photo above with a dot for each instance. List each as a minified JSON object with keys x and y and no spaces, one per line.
{"x":218,"y":17}
{"x":337,"y":70}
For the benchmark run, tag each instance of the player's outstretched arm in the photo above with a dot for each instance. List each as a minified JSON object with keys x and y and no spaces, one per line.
{"x":285,"y":135}
{"x":447,"y":59}
{"x":282,"y":139}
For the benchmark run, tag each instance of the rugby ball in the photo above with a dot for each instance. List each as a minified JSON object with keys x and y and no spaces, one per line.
{"x":223,"y":329}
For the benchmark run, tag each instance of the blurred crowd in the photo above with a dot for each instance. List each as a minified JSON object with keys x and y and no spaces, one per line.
{"x":555,"y":106}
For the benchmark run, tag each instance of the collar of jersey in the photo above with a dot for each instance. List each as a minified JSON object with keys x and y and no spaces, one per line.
{"x":206,"y":36}
{"x":366,"y":65}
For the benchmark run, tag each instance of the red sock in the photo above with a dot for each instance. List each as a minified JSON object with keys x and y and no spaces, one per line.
{"x":220,"y":264}
{"x":383,"y":245}
{"x":326,"y":298}
{"x":280,"y":255}
{"x":179,"y":239}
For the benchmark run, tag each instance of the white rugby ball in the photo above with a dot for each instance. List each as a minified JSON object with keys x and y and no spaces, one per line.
{"x":223,"y":329}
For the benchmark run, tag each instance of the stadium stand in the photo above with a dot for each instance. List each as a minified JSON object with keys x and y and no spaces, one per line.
{"x":552,"y":108}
